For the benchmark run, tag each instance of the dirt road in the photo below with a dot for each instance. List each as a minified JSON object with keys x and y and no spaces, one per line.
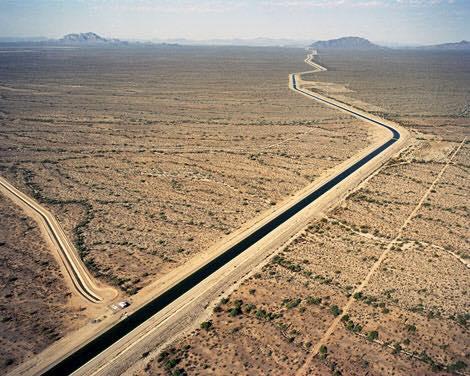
{"x":78,"y":276}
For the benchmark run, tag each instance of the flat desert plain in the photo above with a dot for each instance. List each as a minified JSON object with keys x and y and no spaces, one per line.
{"x":147,"y":156}
{"x":380,"y":285}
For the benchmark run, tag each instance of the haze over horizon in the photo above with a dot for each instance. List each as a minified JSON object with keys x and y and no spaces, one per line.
{"x":393,"y":21}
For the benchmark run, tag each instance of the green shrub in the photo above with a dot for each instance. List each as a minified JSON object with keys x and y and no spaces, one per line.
{"x":224,"y":300}
{"x":335,"y":310}
{"x":373,"y":335}
{"x":353,"y":327}
{"x":397,"y":348}
{"x":206,"y":325}
{"x":463,"y":319}
{"x":358,"y":296}
{"x":313,"y":300}
{"x":457,"y":366}
{"x":162,"y":356}
{"x":235,"y":311}
{"x":292,"y":303}
{"x":171,"y":363}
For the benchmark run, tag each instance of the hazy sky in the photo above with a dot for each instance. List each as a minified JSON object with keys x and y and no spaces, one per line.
{"x":403,"y":21}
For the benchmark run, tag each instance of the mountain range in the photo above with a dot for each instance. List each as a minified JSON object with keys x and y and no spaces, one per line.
{"x":249,"y":42}
{"x":462,"y":45}
{"x":345,"y":43}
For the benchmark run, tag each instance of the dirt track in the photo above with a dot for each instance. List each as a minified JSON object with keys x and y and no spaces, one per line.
{"x":79,"y":278}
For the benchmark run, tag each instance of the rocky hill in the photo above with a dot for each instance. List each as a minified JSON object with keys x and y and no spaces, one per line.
{"x":346,"y":43}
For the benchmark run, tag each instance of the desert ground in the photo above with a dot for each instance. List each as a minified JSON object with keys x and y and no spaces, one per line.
{"x":379,"y":286}
{"x":148,"y":156}
{"x":424,"y":90}
{"x":31,"y":318}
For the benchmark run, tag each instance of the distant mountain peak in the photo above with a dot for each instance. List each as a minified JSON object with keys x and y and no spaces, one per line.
{"x":462,"y":45}
{"x":89,"y":37}
{"x":346,"y":43}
